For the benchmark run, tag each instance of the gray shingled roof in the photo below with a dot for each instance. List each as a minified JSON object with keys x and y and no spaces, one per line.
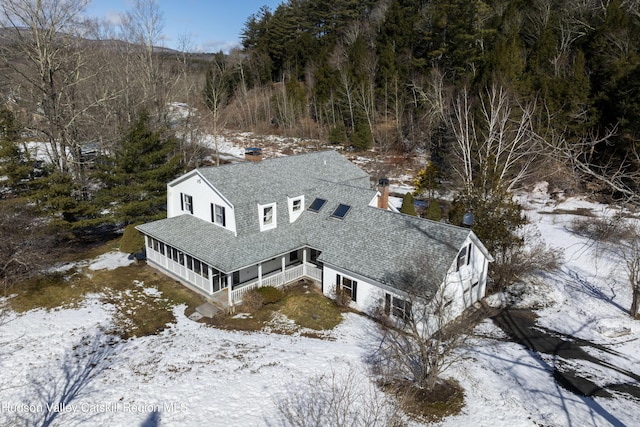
{"x":263,"y":182}
{"x":219,"y":247}
{"x":371,"y":242}
{"x":377,"y":244}
{"x":248,"y":184}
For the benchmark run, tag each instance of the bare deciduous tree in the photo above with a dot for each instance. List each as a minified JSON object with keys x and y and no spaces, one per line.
{"x":418,"y":338}
{"x":621,"y":176}
{"x":187,"y":121}
{"x":339,"y":61}
{"x":434,"y":98}
{"x":338,"y":399}
{"x":495,"y":145}
{"x":142,"y":28}
{"x":216,"y":96}
{"x":629,"y":250}
{"x":496,"y":151}
{"x":365,"y":95}
{"x":47,"y":56}
{"x":519,"y":263}
{"x":25,"y":248}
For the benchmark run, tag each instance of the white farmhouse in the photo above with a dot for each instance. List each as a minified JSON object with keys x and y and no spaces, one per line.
{"x":235,"y":227}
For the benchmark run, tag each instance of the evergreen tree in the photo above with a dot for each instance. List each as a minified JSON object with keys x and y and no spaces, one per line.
{"x":257,"y":39}
{"x":136,"y":178}
{"x":614,"y":54}
{"x":361,"y":137}
{"x":57,"y":196}
{"x":428,"y":180}
{"x":505,"y":62}
{"x":434,"y":211}
{"x":498,"y":219}
{"x":394,"y":42}
{"x":408,"y":205}
{"x":15,"y":163}
{"x":453,"y":36}
{"x":338,"y":135}
{"x":627,"y":109}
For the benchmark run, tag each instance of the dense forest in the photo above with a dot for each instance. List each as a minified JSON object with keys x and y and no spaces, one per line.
{"x":386,"y":73}
{"x":491,"y":91}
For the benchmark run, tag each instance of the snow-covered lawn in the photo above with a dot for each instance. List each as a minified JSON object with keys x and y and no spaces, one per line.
{"x":507,"y":385}
{"x":190,"y":374}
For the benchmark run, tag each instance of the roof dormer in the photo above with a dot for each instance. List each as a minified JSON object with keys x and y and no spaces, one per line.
{"x":267,"y":216}
{"x":296,"y":206}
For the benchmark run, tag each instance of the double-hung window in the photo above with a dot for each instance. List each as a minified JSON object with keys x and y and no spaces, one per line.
{"x":464,"y":256}
{"x":186,"y":203}
{"x":267,"y":216}
{"x":397,"y":307}
{"x":348,"y":286}
{"x":295,"y":205}
{"x":218,"y":215}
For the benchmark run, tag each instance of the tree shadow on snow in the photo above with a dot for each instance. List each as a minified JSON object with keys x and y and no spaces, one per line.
{"x":153,"y":420}
{"x":560,"y":348}
{"x":53,"y":391}
{"x":581,"y":284}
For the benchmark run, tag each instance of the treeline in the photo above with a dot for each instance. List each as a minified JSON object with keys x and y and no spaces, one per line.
{"x":383,"y":72}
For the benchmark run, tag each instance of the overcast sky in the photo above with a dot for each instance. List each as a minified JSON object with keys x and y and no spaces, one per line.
{"x":210,"y":25}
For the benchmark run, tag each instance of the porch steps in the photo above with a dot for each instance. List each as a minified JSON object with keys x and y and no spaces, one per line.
{"x":208,"y":310}
{"x":214,"y":305}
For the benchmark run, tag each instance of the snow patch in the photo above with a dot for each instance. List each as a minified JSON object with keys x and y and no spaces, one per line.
{"x":110,"y":261}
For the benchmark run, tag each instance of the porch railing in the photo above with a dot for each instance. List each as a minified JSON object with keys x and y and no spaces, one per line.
{"x":278,"y":279}
{"x":314,"y":272}
{"x":180,"y":270}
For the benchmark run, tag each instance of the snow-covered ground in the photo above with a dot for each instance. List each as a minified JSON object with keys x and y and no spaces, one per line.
{"x":192,"y":374}
{"x":188,"y":375}
{"x":589,"y":300}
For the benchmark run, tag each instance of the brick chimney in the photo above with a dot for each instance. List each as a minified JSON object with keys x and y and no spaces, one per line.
{"x":253,"y":154}
{"x":383,"y":188}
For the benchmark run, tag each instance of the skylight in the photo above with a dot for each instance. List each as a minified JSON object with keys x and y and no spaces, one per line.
{"x":317,"y":204}
{"x":341,"y":211}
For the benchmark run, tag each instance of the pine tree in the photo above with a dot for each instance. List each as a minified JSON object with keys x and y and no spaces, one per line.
{"x":452,"y":36}
{"x":434,"y":211}
{"x":15,"y":163}
{"x":394,"y":42}
{"x":57,"y":196}
{"x":428,"y":180}
{"x":135,"y":179}
{"x":497,"y":219}
{"x":408,"y":205}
